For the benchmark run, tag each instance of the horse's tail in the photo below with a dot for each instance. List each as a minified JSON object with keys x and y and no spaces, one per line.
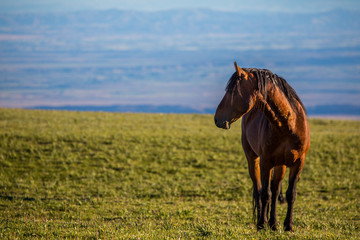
{"x":254,"y":206}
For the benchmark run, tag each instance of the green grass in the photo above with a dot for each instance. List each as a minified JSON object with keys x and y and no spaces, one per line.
{"x":161,"y":176}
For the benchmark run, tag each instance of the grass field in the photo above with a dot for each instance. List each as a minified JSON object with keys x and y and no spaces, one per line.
{"x":161,"y":176}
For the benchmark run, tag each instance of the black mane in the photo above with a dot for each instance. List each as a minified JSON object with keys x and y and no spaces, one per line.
{"x":264,"y":77}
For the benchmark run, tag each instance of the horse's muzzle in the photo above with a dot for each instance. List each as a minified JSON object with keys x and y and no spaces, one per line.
{"x":222,"y":124}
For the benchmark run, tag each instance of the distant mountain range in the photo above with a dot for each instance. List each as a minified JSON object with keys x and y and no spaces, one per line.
{"x":323,"y":110}
{"x":128,"y":108}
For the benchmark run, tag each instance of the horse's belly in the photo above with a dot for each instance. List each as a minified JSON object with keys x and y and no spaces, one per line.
{"x":267,"y":144}
{"x":282,"y":151}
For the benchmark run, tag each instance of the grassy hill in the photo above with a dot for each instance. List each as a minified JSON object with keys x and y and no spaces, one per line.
{"x":160,"y":176}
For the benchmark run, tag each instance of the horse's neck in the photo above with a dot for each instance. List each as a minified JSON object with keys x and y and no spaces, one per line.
{"x":277,"y":109}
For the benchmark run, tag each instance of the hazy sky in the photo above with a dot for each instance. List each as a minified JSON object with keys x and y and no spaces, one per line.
{"x":121,"y":83}
{"x":153,"y":5}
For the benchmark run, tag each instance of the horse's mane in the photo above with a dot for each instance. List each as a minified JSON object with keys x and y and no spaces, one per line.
{"x":264,"y":77}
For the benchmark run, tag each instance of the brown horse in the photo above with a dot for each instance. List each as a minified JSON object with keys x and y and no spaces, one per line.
{"x":275,"y":135}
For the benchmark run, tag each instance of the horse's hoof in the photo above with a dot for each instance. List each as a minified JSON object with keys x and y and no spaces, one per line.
{"x":289,"y":229}
{"x":273,"y":224}
{"x":274,"y":227}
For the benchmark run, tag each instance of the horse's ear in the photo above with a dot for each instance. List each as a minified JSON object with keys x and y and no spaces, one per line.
{"x":240,"y":72}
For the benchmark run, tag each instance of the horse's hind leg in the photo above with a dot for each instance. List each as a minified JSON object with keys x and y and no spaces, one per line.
{"x":279,"y":173}
{"x":294,"y":177}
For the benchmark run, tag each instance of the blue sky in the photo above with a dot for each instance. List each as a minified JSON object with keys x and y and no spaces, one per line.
{"x":155,"y":5}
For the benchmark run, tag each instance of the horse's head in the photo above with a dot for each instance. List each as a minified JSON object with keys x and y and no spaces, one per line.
{"x":238,"y":100}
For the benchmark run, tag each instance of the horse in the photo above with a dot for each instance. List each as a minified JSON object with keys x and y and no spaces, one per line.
{"x":275,"y":136}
